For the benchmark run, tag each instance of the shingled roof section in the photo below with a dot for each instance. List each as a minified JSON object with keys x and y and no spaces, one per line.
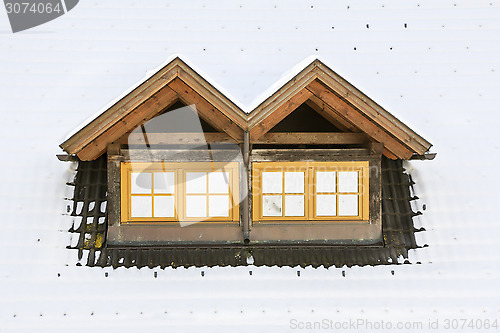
{"x":90,"y":224}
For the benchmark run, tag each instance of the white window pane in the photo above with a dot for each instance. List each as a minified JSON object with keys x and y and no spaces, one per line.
{"x":218,"y":205}
{"x":294,"y":182}
{"x":218,"y":182}
{"x":164,"y":206}
{"x":294,"y":205}
{"x":271,"y":205}
{"x":141,"y":206}
{"x":325,"y":181}
{"x":348,"y":205}
{"x":164,"y":182}
{"x":326,"y":205}
{"x":348,"y":181}
{"x":272,"y":182}
{"x":196,"y":182}
{"x":140,"y":182}
{"x":196,"y":206}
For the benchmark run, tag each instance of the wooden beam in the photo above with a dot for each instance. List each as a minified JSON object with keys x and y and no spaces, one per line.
{"x":174,"y":138}
{"x":122,"y":108}
{"x":345,"y":110}
{"x":183,"y":155}
{"x":372,"y":110}
{"x":313,"y":138}
{"x":279,"y":114}
{"x":324,"y":110}
{"x":390,"y":155}
{"x":213,"y":96}
{"x":376,"y":148}
{"x":208,"y":112}
{"x":142,"y":113}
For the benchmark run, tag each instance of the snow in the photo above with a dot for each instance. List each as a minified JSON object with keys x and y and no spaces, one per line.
{"x":439,"y":75}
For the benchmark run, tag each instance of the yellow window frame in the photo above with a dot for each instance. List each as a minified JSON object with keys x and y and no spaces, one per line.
{"x":180,"y":195}
{"x":310,"y":193}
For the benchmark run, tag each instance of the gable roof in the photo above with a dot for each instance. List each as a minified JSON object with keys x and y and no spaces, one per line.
{"x":316,"y":84}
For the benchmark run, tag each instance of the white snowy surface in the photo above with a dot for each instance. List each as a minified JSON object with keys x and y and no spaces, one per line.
{"x":439,"y":75}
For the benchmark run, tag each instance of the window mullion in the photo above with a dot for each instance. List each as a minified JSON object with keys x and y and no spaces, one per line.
{"x":283,"y":192}
{"x":207,"y":194}
{"x":337,"y":192}
{"x":181,"y":194}
{"x":309,"y":193}
{"x":153,"y":194}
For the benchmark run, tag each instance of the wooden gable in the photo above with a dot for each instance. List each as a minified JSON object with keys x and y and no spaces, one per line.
{"x":176,"y":81}
{"x":343,"y":105}
{"x":355,"y":117}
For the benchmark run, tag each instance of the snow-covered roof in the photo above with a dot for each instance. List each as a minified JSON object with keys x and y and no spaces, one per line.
{"x":176,"y":79}
{"x":434,"y":65}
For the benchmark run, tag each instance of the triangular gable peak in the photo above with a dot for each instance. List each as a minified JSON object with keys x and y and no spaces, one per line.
{"x":174,"y":82}
{"x":317,"y":85}
{"x":340,"y":103}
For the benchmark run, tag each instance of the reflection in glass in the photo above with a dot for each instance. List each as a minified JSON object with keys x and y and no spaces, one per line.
{"x":272,"y":182}
{"x":140,"y":183}
{"x":218,"y":205}
{"x":196,"y":206}
{"x":294,"y":182}
{"x":164,"y":182}
{"x":326,"y":205}
{"x":141,"y":206}
{"x":164,"y":206}
{"x":348,"y":205}
{"x":348,"y":181}
{"x":196,"y":182}
{"x":271,"y":205}
{"x":325,"y":181}
{"x":218,"y":182}
{"x":294,"y":205}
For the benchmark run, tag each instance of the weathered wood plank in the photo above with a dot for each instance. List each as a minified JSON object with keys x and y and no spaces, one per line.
{"x":182,"y":155}
{"x":209,"y":113}
{"x":347,"y":111}
{"x":120,"y":109}
{"x":213,"y":96}
{"x":144,"y":112}
{"x":376,"y":148}
{"x":372,"y":110}
{"x":174,"y":138}
{"x":281,"y":112}
{"x":313,"y":138}
{"x":323,"y":110}
{"x":388,"y":154}
{"x":284,"y":93}
{"x":305,"y":155}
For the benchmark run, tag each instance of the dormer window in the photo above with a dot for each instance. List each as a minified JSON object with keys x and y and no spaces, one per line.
{"x":312,"y":192}
{"x":186,"y":166}
{"x":179,"y":192}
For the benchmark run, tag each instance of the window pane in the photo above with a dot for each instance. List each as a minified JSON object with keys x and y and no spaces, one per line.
{"x":141,"y":206}
{"x":294,"y":182}
{"x":196,"y":206}
{"x":325,"y":181}
{"x":218,"y":205}
{"x":218,"y":182}
{"x":294,"y":205}
{"x":348,"y":205}
{"x":164,"y":206}
{"x":348,"y":181}
{"x":164,"y":182}
{"x":271,"y":205}
{"x":196,"y":182}
{"x":326,"y":205}
{"x":272,"y":182}
{"x":140,"y":182}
